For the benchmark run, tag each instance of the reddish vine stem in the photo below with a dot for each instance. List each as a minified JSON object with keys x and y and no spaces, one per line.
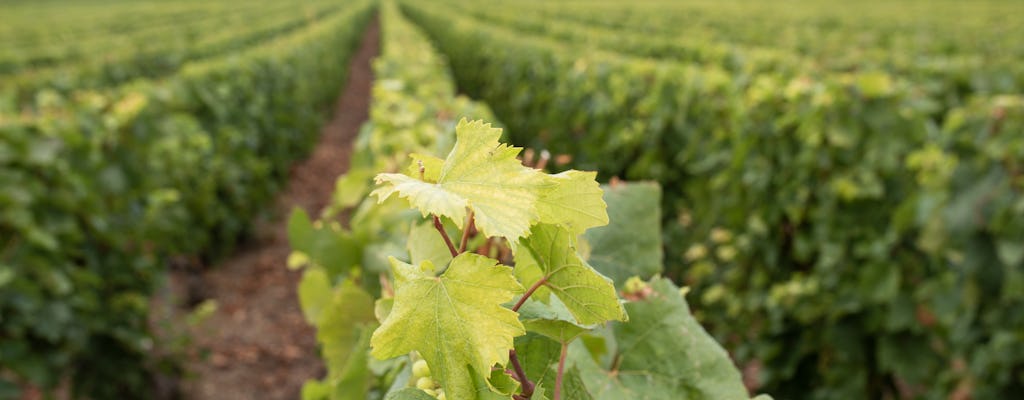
{"x":465,"y":233}
{"x":561,"y":369}
{"x":528,"y":386}
{"x":540,"y":282}
{"x":447,"y":240}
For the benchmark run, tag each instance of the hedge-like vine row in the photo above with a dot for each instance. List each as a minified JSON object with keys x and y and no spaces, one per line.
{"x":837,"y":232}
{"x":102,"y":186}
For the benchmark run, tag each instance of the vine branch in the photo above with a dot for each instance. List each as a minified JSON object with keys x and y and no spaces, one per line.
{"x":561,"y":370}
{"x":447,"y":240}
{"x":540,"y":282}
{"x":470,"y":224}
{"x":528,"y":386}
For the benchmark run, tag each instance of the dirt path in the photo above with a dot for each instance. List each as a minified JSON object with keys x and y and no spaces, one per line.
{"x":257,"y":345}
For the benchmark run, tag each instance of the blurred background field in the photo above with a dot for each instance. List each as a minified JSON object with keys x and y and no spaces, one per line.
{"x":843,"y":183}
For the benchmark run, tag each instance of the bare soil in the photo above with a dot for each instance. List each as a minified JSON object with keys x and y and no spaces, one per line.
{"x":257,"y":345}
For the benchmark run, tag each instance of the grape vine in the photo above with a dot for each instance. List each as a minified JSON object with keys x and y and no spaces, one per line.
{"x":493,"y":295}
{"x":454,"y":317}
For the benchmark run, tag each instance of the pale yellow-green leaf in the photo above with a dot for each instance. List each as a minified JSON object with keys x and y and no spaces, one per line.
{"x":574,"y":201}
{"x":456,"y":321}
{"x":431,"y":167}
{"x":425,"y":244}
{"x":339,"y":323}
{"x":482,"y":174}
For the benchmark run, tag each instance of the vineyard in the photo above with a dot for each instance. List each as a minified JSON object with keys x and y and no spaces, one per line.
{"x":552,"y":200}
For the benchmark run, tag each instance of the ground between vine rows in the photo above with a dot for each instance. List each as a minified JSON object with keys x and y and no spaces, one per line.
{"x":257,"y":346}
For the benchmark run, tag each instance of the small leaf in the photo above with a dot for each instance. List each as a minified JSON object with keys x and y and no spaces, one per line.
{"x":588,"y":295}
{"x":353,"y":381}
{"x":431,"y":167}
{"x":382,"y":308}
{"x":552,"y":320}
{"x":574,"y":201}
{"x":314,"y":293}
{"x":456,"y":321}
{"x":340,"y":323}
{"x":425,"y":244}
{"x":351,"y":188}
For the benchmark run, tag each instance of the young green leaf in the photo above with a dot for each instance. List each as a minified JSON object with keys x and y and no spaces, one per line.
{"x":425,"y":244}
{"x":552,"y":320}
{"x":431,"y":167}
{"x":314,"y":293}
{"x":588,"y":295}
{"x":456,"y":321}
{"x":340,"y":322}
{"x":353,"y":380}
{"x":480,"y":173}
{"x":574,"y":201}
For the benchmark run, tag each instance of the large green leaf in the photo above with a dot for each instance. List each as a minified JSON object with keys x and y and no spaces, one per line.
{"x":588,"y":295}
{"x":630,"y":245}
{"x":456,"y":321}
{"x":662,"y":353}
{"x":480,"y":174}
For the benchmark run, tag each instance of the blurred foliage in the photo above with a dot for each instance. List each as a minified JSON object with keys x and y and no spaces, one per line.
{"x":102,"y":185}
{"x":851,"y":230}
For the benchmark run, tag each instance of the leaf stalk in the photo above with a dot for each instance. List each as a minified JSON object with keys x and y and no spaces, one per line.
{"x":447,"y":240}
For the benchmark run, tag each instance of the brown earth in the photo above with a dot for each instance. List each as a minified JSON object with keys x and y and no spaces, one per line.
{"x":257,"y":345}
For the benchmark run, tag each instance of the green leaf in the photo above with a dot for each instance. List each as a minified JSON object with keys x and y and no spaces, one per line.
{"x":328,"y":246}
{"x":409,"y":394}
{"x":631,"y":244}
{"x":503,"y":382}
{"x":536,"y":353}
{"x":663,"y":353}
{"x":572,"y":384}
{"x":431,"y":167}
{"x":574,"y":201}
{"x":456,"y":321}
{"x":425,"y":244}
{"x":351,"y":188}
{"x":316,"y":390}
{"x":340,"y":323}
{"x":588,"y":295}
{"x":480,"y":173}
{"x":353,"y":381}
{"x":314,"y":293}
{"x":382,"y":308}
{"x":552,"y":320}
